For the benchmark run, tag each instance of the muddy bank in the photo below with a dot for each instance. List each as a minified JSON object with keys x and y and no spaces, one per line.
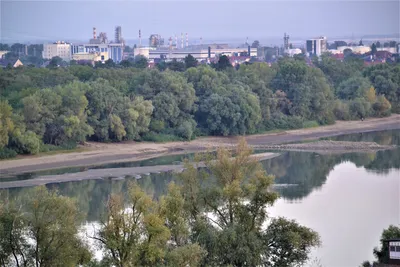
{"x":99,"y":153}
{"x":109,"y":173}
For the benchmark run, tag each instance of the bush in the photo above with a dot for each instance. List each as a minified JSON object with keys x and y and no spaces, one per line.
{"x":360,"y":108}
{"x":186,"y":130}
{"x":7,"y":153}
{"x":26,"y":143}
{"x":284,"y":122}
{"x":341,"y":110}
{"x":310,"y":124}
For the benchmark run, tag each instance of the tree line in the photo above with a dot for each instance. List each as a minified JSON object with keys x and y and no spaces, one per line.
{"x":214,"y":216}
{"x":44,"y":109}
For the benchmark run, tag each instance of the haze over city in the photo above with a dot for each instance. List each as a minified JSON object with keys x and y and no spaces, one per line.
{"x":213,"y":20}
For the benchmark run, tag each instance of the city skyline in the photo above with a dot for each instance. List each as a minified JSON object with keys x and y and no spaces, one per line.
{"x":58,"y":20}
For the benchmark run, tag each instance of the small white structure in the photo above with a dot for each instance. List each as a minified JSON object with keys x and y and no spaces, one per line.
{"x":394,"y":249}
{"x":294,"y":51}
{"x":355,"y":49}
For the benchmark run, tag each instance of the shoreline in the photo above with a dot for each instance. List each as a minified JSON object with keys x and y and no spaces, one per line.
{"x":101,"y":153}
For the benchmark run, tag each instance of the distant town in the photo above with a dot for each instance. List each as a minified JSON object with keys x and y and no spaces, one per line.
{"x":155,"y":49}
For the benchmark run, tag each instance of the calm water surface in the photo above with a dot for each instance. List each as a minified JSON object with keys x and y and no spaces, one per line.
{"x":347,"y":198}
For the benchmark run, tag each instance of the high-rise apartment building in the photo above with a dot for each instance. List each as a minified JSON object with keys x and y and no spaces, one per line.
{"x":316,"y":46}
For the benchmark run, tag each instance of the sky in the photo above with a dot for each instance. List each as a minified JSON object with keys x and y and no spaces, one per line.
{"x":212,"y":20}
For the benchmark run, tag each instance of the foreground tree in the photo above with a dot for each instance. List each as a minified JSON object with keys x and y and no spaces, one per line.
{"x":43,"y":231}
{"x":229,"y":219}
{"x":147,"y":233}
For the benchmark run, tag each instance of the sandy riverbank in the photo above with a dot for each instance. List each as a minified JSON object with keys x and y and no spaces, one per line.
{"x":99,"y":153}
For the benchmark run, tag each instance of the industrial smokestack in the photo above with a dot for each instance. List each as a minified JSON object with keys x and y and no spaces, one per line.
{"x":176,"y":41}
{"x":94,"y":33}
{"x":182,"y":40}
{"x":140,"y":38}
{"x":187,"y":40}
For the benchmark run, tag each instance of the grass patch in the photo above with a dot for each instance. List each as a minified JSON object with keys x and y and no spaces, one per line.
{"x":60,"y":151}
{"x":310,"y":124}
{"x":160,"y":138}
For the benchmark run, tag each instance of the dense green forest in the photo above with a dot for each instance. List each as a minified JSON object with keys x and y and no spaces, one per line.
{"x":52,"y":108}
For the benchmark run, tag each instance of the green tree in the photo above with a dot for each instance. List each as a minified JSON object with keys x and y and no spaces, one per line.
{"x":190,"y":62}
{"x":6,"y":123}
{"x":223,"y":63}
{"x":382,"y":253}
{"x":55,"y":62}
{"x":44,"y":232}
{"x":373,"y":49}
{"x":135,"y":236}
{"x":176,"y":65}
{"x":354,"y":87}
{"x":140,"y":62}
{"x":228,"y":205}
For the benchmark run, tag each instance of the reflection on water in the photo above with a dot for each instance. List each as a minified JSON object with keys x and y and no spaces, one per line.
{"x":348,"y":198}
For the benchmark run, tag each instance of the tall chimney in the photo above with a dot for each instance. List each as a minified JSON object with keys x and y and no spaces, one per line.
{"x":187,"y":40}
{"x":140,"y":38}
{"x":94,"y":33}
{"x":181,"y":40}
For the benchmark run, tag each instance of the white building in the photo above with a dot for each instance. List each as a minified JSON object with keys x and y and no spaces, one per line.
{"x":58,"y":49}
{"x":394,"y":250}
{"x":360,"y":49}
{"x":199,"y":54}
{"x":293,"y":51}
{"x":316,"y":46}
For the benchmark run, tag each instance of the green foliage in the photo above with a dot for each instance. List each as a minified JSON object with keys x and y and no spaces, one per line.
{"x":190,"y":62}
{"x":354,"y":87}
{"x":6,"y":123}
{"x":7,"y":153}
{"x":382,"y":254}
{"x":45,"y":233}
{"x":310,"y":124}
{"x":229,"y":211}
{"x":128,"y":101}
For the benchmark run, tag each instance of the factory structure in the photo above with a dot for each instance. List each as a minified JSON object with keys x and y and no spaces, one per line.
{"x":97,"y":49}
{"x":177,"y":48}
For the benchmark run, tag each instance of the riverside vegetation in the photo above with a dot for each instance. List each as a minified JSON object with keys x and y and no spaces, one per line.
{"x":213,"y":216}
{"x":45,"y":109}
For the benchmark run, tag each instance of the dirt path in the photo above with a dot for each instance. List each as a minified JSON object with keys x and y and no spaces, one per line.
{"x":99,"y":153}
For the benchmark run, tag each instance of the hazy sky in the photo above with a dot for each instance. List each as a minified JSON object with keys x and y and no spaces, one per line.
{"x":73,"y":20}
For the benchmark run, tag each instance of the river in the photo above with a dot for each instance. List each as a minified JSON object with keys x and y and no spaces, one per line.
{"x":347,"y":198}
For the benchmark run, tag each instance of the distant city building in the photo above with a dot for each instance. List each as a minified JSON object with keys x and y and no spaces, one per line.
{"x":316,"y":46}
{"x":199,"y":54}
{"x":360,"y":49}
{"x":99,"y":49}
{"x":58,"y":49}
{"x":155,"y":40}
{"x":118,"y":35}
{"x":2,"y":53}
{"x":293,"y":51}
{"x":97,"y":52}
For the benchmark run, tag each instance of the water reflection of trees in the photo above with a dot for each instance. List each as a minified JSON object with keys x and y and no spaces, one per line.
{"x":308,"y":170}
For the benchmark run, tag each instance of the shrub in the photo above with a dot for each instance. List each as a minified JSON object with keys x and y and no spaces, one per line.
{"x":7,"y":153}
{"x":341,"y":110}
{"x":26,"y":143}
